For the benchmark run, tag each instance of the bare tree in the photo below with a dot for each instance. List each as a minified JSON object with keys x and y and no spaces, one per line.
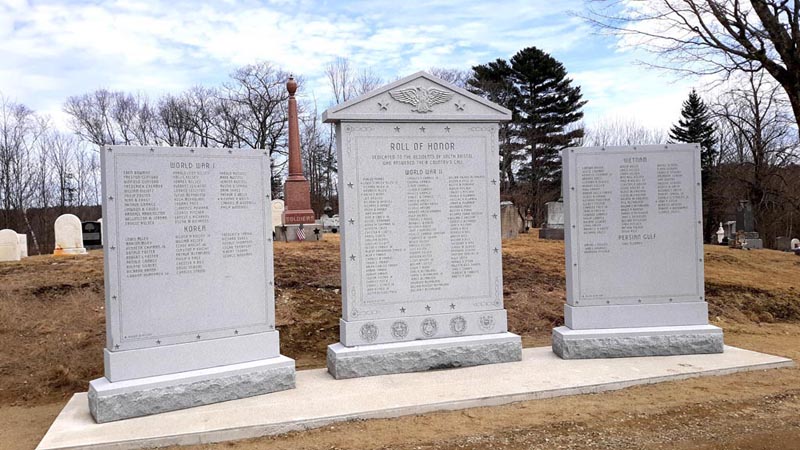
{"x":458,"y":77}
{"x":619,"y":131}
{"x":759,"y":140}
{"x":713,"y":36}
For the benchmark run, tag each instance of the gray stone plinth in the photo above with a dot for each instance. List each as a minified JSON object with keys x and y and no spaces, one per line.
{"x":418,"y":356}
{"x":144,"y":396}
{"x":627,"y":342}
{"x":555,"y":234}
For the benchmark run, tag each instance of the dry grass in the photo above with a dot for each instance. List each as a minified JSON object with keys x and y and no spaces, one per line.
{"x":52,"y":328}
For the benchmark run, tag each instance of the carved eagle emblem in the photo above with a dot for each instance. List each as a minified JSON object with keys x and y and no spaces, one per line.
{"x":421,"y":98}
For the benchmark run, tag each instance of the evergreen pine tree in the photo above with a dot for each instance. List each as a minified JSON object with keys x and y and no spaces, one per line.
{"x":544,"y":105}
{"x":696,"y":126}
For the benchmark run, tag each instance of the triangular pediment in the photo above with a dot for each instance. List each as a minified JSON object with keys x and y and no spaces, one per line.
{"x":420,"y":97}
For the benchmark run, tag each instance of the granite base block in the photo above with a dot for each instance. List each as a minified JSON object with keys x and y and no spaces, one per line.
{"x":109,"y":401}
{"x":418,"y":356}
{"x":629,"y":342}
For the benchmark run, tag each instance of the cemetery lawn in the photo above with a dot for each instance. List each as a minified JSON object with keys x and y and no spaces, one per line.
{"x":52,"y":334}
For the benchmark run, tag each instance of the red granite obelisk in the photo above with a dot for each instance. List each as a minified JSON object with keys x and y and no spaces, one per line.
{"x":297,"y":192}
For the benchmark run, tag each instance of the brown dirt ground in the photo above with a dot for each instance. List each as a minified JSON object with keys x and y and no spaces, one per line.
{"x":52,"y":335}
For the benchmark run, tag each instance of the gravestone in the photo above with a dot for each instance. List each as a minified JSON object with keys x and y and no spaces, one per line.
{"x":554,"y":226}
{"x":330,"y":224}
{"x":510,"y":221}
{"x":634,"y":254}
{"x":744,"y":216}
{"x":190,"y":302}
{"x":783,"y":243}
{"x":69,"y":236}
{"x":277,"y":213}
{"x":92,"y":234}
{"x":795,"y":243}
{"x":9,"y":246}
{"x":23,"y":245}
{"x":419,"y":203}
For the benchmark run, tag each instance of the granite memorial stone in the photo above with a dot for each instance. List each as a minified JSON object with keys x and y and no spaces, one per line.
{"x":277,"y":213}
{"x":510,"y":222}
{"x":634,"y":253}
{"x":422,"y":282}
{"x":9,"y":246}
{"x":92,"y":235}
{"x":69,"y":236}
{"x":23,"y":245}
{"x":554,"y":226}
{"x":188,"y":281}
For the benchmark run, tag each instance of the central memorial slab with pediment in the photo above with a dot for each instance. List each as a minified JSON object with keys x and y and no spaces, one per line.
{"x":420,"y":212}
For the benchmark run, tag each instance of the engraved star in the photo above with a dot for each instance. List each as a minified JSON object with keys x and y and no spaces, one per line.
{"x":447,"y":129}
{"x":116,"y":347}
{"x":113,"y":297}
{"x":229,"y":151}
{"x":112,"y":247}
{"x":383,"y":106}
{"x":350,"y":185}
{"x":494,"y":215}
{"x":111,"y":198}
{"x":427,"y":307}
{"x":198,"y":336}
{"x":109,"y":148}
{"x":158,"y":342}
{"x":496,"y":250}
{"x":402,"y":310}
{"x":397,"y":129}
{"x":352,"y":257}
{"x":152,"y":150}
{"x":459,"y":106}
{"x":235,"y":331}
{"x":191,"y":150}
{"x":422,"y":129}
{"x":269,"y":239}
{"x":452,"y":306}
{"x":351,"y":221}
{"x":271,"y":283}
{"x":494,"y":181}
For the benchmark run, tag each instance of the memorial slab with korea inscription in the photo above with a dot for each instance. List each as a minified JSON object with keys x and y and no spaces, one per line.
{"x":188,"y":281}
{"x":634,"y":253}
{"x":420,"y":212}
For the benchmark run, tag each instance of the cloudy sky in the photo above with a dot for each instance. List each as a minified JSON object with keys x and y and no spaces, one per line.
{"x":53,"y":49}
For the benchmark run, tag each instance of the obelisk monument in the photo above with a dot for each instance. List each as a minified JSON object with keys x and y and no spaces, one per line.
{"x":296,"y":190}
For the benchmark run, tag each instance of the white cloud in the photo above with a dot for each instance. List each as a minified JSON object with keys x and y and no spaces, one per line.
{"x":52,"y":50}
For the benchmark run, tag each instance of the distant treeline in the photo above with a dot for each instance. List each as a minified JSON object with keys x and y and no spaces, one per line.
{"x":750,"y":144}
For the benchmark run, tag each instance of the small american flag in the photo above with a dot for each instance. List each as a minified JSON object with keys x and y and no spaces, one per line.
{"x":301,"y":234}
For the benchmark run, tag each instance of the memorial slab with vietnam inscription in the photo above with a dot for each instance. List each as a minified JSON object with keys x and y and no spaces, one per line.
{"x":188,"y":281}
{"x":634,"y":253}
{"x":422,"y":282}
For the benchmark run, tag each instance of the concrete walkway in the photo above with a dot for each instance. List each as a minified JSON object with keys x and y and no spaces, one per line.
{"x":320,"y":400}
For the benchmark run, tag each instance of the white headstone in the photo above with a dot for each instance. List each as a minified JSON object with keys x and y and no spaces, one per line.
{"x":420,"y":209}
{"x":634,"y":253}
{"x":555,"y":214}
{"x":795,"y":243}
{"x":189,"y":280}
{"x":23,"y":245}
{"x":9,"y":246}
{"x":277,"y":213}
{"x":69,"y":235}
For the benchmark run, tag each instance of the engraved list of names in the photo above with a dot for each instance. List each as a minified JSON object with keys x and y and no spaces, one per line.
{"x":424,"y":211}
{"x":187,"y":236}
{"x":637,"y":213}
